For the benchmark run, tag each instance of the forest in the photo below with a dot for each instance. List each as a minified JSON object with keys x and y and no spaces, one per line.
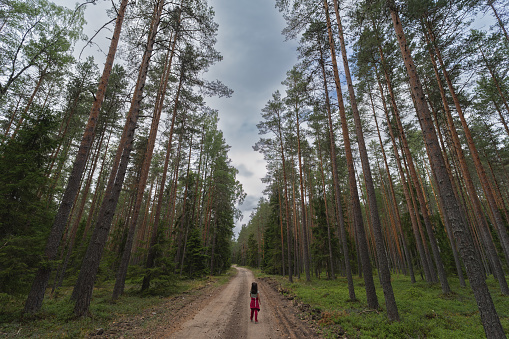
{"x":395,"y":160}
{"x":387,"y":154}
{"x":115,"y":173}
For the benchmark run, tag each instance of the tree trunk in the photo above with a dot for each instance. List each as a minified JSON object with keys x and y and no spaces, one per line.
{"x":280,"y":202}
{"x":337,"y":191}
{"x":420,"y":243}
{"x":287,"y":214}
{"x":36,"y":295}
{"x":185,"y":213}
{"x":393,"y":195}
{"x":440,"y":202}
{"x":60,"y":276}
{"x":303,"y":205}
{"x":500,"y":22}
{"x":30,"y":101}
{"x":472,"y":194}
{"x":82,"y":292}
{"x":362,"y":249}
{"x":489,"y":317}
{"x":422,"y":204}
{"x":153,"y":241}
{"x":385,"y":274}
{"x":481,"y":173}
{"x":124,"y":264}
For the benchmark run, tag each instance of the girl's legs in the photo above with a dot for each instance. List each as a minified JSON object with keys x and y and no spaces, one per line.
{"x":256,"y":315}
{"x":252,"y":311}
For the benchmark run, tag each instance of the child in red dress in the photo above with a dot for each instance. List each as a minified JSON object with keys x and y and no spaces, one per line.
{"x":255,"y":301}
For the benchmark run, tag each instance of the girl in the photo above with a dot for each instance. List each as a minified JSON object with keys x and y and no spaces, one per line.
{"x":255,"y":301}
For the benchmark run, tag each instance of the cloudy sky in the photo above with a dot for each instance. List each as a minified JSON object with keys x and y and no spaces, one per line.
{"x":256,"y":59}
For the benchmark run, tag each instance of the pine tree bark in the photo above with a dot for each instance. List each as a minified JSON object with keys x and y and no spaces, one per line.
{"x":489,"y":317}
{"x":362,"y":249}
{"x":82,"y":292}
{"x":285,"y":186}
{"x":305,"y":253}
{"x":153,"y":241}
{"x":385,"y":274}
{"x":280,"y":202}
{"x":481,"y":173}
{"x":393,"y":195}
{"x":185,"y":213}
{"x":413,"y":217}
{"x":72,"y":239}
{"x":124,"y":263}
{"x":500,"y":22}
{"x":36,"y":295}
{"x":423,"y":206}
{"x":337,"y":191}
{"x":472,"y":193}
{"x":329,"y":240}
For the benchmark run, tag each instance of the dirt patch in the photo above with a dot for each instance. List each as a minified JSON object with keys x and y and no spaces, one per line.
{"x":314,"y":318}
{"x":154,"y":322}
{"x":308,"y":317}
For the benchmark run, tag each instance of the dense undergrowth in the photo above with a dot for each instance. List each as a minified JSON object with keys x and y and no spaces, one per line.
{"x":56,"y":318}
{"x":424,"y":310}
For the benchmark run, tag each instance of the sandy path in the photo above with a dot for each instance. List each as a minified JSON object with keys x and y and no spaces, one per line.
{"x":226,"y":315}
{"x":216,"y":312}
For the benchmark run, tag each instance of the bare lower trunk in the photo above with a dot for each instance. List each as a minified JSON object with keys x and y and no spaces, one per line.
{"x":415,"y":227}
{"x":481,"y":173}
{"x":383,"y":264}
{"x":489,"y":317}
{"x":337,"y":192}
{"x":393,"y":206}
{"x":82,"y":292}
{"x":36,"y":295}
{"x":362,"y":249}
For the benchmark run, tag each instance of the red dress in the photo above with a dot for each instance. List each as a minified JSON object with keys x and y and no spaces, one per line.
{"x":254,"y":302}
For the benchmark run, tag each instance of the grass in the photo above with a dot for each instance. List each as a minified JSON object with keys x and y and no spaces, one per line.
{"x":424,"y":311}
{"x":56,"y":319}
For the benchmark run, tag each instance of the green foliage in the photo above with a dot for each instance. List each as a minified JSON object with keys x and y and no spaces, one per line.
{"x":196,"y":257}
{"x":272,"y":259}
{"x":320,"y":243}
{"x":252,"y":251}
{"x":35,"y":34}
{"x":56,"y":318}
{"x":22,"y":164}
{"x":25,"y":218}
{"x":425,"y":311}
{"x":19,"y":259}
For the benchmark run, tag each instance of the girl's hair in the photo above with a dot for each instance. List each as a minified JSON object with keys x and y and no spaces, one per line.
{"x":254,"y":288}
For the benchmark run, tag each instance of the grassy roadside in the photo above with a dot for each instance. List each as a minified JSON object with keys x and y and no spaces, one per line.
{"x":56,"y":320}
{"x":425,"y":312}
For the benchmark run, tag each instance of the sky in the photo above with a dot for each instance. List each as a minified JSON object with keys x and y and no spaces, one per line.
{"x":255,"y":61}
{"x":256,"y":58}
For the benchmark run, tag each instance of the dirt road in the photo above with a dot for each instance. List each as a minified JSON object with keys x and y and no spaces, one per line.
{"x":216,"y":312}
{"x":227,"y":315}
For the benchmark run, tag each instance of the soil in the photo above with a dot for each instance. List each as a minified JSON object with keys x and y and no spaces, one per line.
{"x":219,"y":312}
